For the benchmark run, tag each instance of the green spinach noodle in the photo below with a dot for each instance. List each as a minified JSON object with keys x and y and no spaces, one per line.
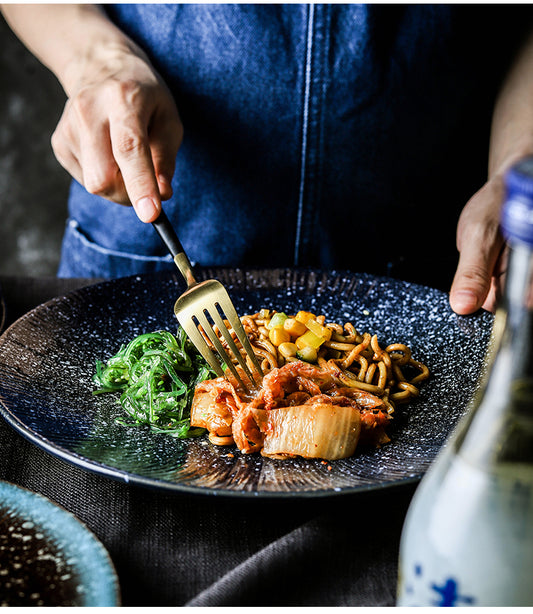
{"x":156,"y":374}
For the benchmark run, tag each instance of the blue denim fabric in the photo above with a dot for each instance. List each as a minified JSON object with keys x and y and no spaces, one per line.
{"x":324,"y":135}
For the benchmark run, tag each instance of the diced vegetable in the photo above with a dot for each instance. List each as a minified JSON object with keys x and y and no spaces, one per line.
{"x":307,"y":353}
{"x":277,"y":321}
{"x":309,"y":338}
{"x":318,"y":329}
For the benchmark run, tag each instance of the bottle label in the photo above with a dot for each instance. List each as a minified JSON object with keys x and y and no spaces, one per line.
{"x":517,"y":219}
{"x":469,"y":539}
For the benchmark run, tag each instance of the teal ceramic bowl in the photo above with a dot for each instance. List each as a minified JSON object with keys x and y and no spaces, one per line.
{"x":48,"y":557}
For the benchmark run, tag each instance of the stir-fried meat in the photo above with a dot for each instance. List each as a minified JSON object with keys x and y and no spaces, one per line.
{"x":300,"y":410}
{"x":294,"y":377}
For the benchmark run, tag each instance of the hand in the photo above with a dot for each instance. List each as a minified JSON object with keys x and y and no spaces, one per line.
{"x":480,"y":274}
{"x":120,"y":132}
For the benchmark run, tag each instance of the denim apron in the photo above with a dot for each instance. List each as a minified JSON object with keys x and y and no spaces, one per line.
{"x":339,"y":136}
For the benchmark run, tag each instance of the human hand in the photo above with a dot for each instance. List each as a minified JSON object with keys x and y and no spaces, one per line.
{"x":120,"y":132}
{"x":480,"y":274}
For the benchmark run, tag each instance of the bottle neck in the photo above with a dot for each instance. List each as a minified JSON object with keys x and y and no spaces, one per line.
{"x":514,"y":318}
{"x":499,"y":426}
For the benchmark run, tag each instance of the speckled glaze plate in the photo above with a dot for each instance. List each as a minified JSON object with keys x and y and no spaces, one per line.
{"x":47,"y":557}
{"x":47,"y":362}
{"x":2,"y":311}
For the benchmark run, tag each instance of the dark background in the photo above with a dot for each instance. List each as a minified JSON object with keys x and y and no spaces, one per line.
{"x":33,"y":186}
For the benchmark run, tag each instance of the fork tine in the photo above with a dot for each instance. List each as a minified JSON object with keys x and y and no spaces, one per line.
{"x":208,"y":329}
{"x":196,"y":337}
{"x":194,"y":298}
{"x":217,"y":319}
{"x":236,"y":325}
{"x":206,"y":304}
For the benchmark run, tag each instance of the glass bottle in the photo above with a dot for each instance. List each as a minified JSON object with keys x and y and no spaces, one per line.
{"x":468,"y":535}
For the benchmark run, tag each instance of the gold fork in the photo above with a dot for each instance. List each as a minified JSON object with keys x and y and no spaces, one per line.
{"x":206,"y":304}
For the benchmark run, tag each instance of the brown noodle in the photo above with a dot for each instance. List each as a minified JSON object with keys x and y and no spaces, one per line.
{"x":354,"y":360}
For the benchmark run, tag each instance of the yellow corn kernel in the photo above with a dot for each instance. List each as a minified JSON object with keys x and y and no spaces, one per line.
{"x":278,"y":336}
{"x":294,"y":328}
{"x":318,"y":329}
{"x":307,"y":353}
{"x":287,"y":349}
{"x":303,"y":316}
{"x":309,"y":339}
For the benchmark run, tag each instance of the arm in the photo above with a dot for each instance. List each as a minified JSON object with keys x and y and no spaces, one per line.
{"x":479,"y":277}
{"x":120,"y":130}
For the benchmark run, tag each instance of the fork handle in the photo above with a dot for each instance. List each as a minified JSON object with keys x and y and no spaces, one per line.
{"x":169,"y":237}
{"x":168,"y":234}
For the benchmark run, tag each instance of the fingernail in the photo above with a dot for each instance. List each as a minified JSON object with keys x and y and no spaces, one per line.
{"x":146,"y":209}
{"x":465,"y":301}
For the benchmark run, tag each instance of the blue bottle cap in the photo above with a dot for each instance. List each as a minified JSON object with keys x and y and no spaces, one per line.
{"x":517,"y":212}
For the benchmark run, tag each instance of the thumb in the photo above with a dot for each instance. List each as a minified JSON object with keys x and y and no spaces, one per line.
{"x":480,"y":243}
{"x":471,"y":284}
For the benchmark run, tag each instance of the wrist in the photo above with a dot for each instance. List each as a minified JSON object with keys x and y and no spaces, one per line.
{"x":500,"y":161}
{"x":97,"y":62}
{"x":99,"y":49}
{"x":77,"y":42}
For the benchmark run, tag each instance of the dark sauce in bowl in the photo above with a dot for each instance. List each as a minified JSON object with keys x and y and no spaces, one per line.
{"x":33,"y":570}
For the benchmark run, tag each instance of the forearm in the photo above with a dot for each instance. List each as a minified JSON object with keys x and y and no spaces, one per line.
{"x":480,"y":273}
{"x":74,"y":41}
{"x":512,"y":125}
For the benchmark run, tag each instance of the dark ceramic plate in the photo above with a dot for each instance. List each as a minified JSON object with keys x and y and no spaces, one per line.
{"x":2,"y":311}
{"x":47,"y":361}
{"x":47,"y":557}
